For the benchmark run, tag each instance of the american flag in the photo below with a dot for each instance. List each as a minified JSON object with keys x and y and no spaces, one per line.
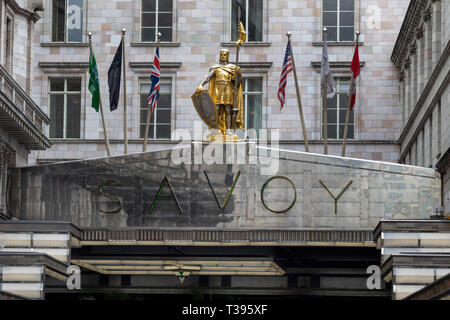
{"x":287,"y":67}
{"x":154,"y":91}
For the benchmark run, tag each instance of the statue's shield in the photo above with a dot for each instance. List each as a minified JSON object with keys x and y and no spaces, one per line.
{"x":206,"y":108}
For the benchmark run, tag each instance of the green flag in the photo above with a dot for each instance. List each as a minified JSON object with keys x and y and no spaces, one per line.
{"x":94,"y":86}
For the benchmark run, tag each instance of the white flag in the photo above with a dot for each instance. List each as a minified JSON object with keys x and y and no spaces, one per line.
{"x":326,"y":71}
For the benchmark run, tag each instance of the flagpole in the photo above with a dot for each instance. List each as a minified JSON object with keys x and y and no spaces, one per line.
{"x":299,"y":101}
{"x":347,"y":114}
{"x":125,"y":138}
{"x":147,"y":121}
{"x":100,"y":104}
{"x":324,"y":97}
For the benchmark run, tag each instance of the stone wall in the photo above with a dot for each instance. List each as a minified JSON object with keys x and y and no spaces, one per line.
{"x":200,"y":29}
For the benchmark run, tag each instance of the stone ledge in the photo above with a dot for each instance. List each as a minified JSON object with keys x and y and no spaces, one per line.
{"x":154,"y":44}
{"x":63,"y":65}
{"x":337,"y":44}
{"x":247,"y":44}
{"x":64,"y":44}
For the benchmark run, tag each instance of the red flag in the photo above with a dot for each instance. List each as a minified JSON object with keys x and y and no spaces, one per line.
{"x":356,"y":69}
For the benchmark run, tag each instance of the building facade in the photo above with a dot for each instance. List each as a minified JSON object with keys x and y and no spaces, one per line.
{"x":21,"y":120}
{"x":192,"y":34}
{"x":421,"y":55}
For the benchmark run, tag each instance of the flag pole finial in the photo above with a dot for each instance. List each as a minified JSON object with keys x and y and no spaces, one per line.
{"x":324,"y":30}
{"x":159,"y":35}
{"x":289,"y":34}
{"x":90,"y":35}
{"x":357,"y":33}
{"x":124,"y":30}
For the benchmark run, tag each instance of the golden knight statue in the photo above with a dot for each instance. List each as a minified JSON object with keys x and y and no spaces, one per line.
{"x":223,"y":110}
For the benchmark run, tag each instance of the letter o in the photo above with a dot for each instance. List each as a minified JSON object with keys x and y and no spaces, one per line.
{"x":264,"y":187}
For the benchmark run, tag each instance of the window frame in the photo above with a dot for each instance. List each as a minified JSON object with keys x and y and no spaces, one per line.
{"x":339,"y":81}
{"x":338,"y":26}
{"x":156,"y":21}
{"x":66,"y":30}
{"x":246,"y":21}
{"x":246,"y":93}
{"x":65,"y":92}
{"x":147,"y":81}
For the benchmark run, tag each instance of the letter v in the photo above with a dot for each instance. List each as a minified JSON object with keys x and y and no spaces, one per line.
{"x":222,"y":207}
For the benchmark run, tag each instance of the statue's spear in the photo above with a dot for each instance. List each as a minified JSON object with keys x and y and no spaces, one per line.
{"x":240,"y":40}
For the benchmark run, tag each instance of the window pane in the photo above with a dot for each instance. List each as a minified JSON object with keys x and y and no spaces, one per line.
{"x":148,"y":34}
{"x":165,"y":19}
{"x":330,"y":5}
{"x":150,"y":131}
{"x":332,"y":131}
{"x":331,"y":116}
{"x":255,"y":20}
{"x":143,"y":103}
{"x":56,"y":116}
{"x":57,"y":85}
{"x":347,"y":5}
{"x":350,"y":131}
{"x":75,"y":20}
{"x":332,"y":103}
{"x":346,"y":19}
{"x":346,"y":34}
{"x":164,"y":100}
{"x":165,"y":5}
{"x":166,"y":34}
{"x":163,"y":131}
{"x":142,"y":115}
{"x":254,"y":85}
{"x":148,"y":19}
{"x":344,"y":86}
{"x":148,"y":5}
{"x":343,"y":101}
{"x":73,"y":116}
{"x":329,"y":19}
{"x":73,"y":84}
{"x":163,"y":116}
{"x":342,"y":115}
{"x":254,"y":112}
{"x":331,"y":34}
{"x":58,"y":20}
{"x":166,"y":87}
{"x":234,"y":11}
{"x":145,"y":87}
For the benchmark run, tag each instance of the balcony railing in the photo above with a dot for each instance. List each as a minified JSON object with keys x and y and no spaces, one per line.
{"x":20,"y":116}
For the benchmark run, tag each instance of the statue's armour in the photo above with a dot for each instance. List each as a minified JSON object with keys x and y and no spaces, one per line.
{"x":224,"y":85}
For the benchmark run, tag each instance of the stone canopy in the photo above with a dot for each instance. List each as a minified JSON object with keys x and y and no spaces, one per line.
{"x":241,"y":185}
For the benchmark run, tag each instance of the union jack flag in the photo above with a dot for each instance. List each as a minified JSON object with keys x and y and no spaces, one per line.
{"x":154,"y":90}
{"x":287,"y":67}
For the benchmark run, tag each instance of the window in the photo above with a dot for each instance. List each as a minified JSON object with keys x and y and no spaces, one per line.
{"x":65,"y":108}
{"x":156,"y":16}
{"x":336,"y":111}
{"x":160,"y":120}
{"x":338,"y":18}
{"x":251,"y":18}
{"x":252,"y":92}
{"x":67,"y":21}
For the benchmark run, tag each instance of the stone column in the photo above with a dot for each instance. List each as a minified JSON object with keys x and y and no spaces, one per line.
{"x":401,"y":79}
{"x":437,"y":23}
{"x":421,"y":60}
{"x":413,"y":51}
{"x":428,"y":30}
{"x":7,"y":159}
{"x":407,"y":90}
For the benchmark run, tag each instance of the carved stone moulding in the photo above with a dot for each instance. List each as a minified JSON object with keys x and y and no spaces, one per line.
{"x":401,"y":76}
{"x":7,"y":154}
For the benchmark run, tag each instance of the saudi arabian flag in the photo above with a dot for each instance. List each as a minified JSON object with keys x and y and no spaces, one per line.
{"x":94,"y":86}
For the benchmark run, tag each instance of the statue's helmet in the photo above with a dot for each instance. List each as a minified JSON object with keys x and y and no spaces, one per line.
{"x":225,"y":55}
